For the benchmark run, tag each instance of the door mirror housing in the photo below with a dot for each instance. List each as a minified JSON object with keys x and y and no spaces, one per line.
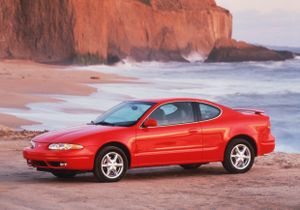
{"x":150,"y":123}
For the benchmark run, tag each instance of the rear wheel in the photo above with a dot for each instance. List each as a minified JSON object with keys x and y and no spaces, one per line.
{"x":110,"y":165}
{"x":64,"y":174}
{"x":239,"y":156}
{"x":191,"y":166}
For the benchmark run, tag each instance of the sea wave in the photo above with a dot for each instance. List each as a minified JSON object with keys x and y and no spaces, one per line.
{"x":297,"y":57}
{"x":194,"y":57}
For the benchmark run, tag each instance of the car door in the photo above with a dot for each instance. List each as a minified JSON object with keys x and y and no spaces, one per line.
{"x":176,"y":139}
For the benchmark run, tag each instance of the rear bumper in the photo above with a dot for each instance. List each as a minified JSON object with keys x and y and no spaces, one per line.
{"x":267,"y":146}
{"x":60,"y":160}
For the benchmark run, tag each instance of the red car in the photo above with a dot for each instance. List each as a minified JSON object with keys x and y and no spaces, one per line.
{"x":184,"y":131}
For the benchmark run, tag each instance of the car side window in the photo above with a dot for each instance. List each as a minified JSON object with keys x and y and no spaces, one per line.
{"x":173,"y":114}
{"x":208,"y":112}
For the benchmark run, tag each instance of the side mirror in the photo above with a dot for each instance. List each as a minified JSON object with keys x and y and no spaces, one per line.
{"x":150,"y":123}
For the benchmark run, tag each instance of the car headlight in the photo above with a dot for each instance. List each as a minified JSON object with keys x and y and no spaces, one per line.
{"x":63,"y":146}
{"x":32,"y":144}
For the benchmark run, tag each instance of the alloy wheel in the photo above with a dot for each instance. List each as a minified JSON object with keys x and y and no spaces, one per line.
{"x":112,"y":165}
{"x":240,"y":156}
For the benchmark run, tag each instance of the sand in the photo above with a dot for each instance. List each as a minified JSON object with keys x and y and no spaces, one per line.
{"x":23,"y":82}
{"x":273,"y":183}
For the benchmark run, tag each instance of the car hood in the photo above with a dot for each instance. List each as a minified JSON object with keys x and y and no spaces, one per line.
{"x":75,"y":134}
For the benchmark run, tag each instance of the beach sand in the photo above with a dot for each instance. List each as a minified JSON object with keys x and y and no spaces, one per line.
{"x":272,"y":183}
{"x":23,"y":82}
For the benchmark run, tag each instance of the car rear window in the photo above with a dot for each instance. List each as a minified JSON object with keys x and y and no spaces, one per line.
{"x":208,"y":112}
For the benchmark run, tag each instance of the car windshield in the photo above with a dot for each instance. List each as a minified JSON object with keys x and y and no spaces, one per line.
{"x":124,"y":114}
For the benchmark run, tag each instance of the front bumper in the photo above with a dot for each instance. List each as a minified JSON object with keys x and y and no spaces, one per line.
{"x":43,"y":158}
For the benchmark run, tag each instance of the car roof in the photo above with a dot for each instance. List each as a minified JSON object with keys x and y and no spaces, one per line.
{"x":166,"y":100}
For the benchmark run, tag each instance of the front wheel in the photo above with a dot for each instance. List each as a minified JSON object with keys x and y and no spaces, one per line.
{"x":239,"y":156}
{"x":110,"y":165}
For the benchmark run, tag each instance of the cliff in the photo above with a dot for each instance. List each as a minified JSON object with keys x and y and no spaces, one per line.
{"x":97,"y":31}
{"x":40,"y":30}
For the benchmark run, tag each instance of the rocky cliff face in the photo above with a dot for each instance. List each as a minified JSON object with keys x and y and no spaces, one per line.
{"x":36,"y":29}
{"x":108,"y":30}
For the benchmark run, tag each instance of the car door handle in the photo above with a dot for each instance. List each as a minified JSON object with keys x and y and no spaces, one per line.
{"x":193,"y":131}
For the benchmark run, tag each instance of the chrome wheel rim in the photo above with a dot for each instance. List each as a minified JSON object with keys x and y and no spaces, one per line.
{"x":112,"y":165}
{"x":240,"y":156}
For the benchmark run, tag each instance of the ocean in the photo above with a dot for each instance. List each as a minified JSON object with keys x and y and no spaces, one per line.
{"x":270,"y":86}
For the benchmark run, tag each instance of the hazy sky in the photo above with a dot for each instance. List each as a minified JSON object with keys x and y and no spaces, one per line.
{"x":268,"y":22}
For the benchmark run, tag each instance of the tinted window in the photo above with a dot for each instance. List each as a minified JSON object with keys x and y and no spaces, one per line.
{"x":208,"y":112}
{"x":174,"y":113}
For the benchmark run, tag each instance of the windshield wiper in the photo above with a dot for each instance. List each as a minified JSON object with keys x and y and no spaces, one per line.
{"x":104,"y":123}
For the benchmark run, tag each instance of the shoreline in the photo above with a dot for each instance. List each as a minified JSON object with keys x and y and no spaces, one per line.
{"x":25,"y":82}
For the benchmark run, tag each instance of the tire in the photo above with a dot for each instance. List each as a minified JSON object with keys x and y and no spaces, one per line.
{"x":191,"y":166}
{"x":239,"y":156}
{"x":64,"y":174}
{"x":110,"y":165}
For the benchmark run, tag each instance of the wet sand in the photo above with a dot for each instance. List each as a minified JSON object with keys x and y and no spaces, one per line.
{"x":273,"y":183}
{"x":13,"y":122}
{"x":23,"y":82}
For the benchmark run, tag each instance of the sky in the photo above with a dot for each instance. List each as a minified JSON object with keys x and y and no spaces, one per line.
{"x":266,"y":22}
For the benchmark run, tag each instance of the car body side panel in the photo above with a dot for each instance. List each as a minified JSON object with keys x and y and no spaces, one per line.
{"x":217,"y":132}
{"x":168,"y":145}
{"x":214,"y":137}
{"x":257,"y":127}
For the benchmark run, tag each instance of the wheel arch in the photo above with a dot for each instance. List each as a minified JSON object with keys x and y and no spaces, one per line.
{"x":119,"y":145}
{"x":247,"y":138}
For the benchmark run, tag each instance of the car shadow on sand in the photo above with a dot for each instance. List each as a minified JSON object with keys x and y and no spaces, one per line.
{"x":151,"y":173}
{"x":170,"y":172}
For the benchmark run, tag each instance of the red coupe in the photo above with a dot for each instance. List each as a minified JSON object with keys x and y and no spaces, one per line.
{"x":141,"y":133}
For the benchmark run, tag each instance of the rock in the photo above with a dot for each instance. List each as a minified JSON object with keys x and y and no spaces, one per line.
{"x":102,"y":31}
{"x":230,"y":50}
{"x":19,"y":135}
{"x":94,"y":77}
{"x":4,"y":129}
